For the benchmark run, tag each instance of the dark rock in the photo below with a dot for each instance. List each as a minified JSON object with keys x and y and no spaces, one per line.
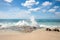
{"x":48,"y":29}
{"x":34,"y":28}
{"x":56,"y":29}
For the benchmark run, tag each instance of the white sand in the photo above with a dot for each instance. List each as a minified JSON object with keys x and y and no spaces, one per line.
{"x":35,"y":35}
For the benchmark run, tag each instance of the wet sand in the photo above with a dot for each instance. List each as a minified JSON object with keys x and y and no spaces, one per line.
{"x":35,"y":35}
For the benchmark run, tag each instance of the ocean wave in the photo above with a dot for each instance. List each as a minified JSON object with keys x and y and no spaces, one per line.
{"x":22,"y":23}
{"x":32,"y":23}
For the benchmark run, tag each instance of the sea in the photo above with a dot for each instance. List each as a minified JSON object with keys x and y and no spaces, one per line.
{"x":40,"y":22}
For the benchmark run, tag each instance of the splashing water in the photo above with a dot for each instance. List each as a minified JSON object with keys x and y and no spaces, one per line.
{"x":25,"y":23}
{"x":33,"y":22}
{"x":22,"y":23}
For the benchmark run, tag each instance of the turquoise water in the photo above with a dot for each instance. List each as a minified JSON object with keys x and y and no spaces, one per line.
{"x":55,"y":22}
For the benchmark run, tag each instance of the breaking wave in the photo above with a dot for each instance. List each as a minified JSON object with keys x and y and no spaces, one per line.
{"x":31,"y":23}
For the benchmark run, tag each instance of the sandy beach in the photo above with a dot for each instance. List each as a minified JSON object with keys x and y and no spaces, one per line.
{"x":35,"y":35}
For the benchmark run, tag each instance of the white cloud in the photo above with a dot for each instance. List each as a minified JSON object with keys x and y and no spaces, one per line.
{"x":56,"y":7}
{"x":29,"y":3}
{"x":52,"y":10}
{"x":20,"y":13}
{"x":23,"y":14}
{"x":44,"y":11}
{"x":15,"y":13}
{"x":57,"y":13}
{"x":35,"y":9}
{"x":8,"y":1}
{"x":46,"y":3}
{"x":5,"y":15}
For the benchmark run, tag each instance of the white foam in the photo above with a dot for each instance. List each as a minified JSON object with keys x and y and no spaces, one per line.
{"x":42,"y":25}
{"x":25,"y":23}
{"x":33,"y":22}
{"x":48,"y":26}
{"x":22,"y":23}
{"x":5,"y":25}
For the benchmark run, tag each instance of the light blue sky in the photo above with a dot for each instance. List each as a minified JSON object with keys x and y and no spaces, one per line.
{"x":24,"y":9}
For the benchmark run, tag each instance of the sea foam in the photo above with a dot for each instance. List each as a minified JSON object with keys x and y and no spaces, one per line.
{"x":25,"y":23}
{"x":32,"y":23}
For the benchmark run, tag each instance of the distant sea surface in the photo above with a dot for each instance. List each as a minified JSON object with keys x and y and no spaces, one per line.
{"x":54,"y":22}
